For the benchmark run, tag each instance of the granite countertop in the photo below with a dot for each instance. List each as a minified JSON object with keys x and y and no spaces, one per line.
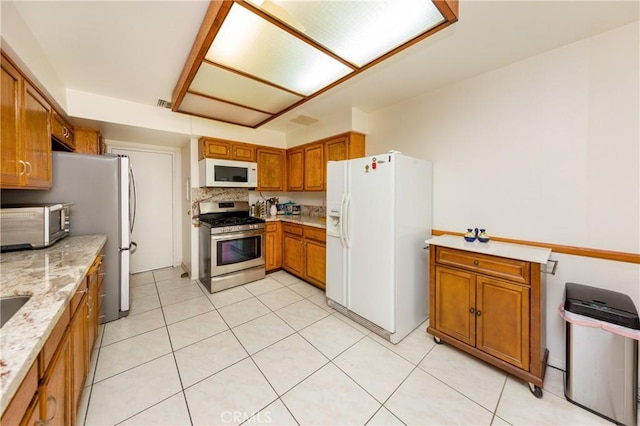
{"x":299,"y":219}
{"x":494,"y":248}
{"x":51,"y":277}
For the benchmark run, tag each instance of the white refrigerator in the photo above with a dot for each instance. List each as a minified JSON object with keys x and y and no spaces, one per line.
{"x":378,"y":215}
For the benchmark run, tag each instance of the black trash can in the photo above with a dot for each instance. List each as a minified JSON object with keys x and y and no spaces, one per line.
{"x":602,"y":364}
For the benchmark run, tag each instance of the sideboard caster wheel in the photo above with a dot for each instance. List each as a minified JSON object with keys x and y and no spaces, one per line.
{"x":535,"y":390}
{"x":437,"y":340}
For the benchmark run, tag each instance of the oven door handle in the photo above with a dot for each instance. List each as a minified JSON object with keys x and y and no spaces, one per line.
{"x":237,"y":235}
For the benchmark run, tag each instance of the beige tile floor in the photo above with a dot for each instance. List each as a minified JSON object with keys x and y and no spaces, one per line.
{"x":273,"y":352}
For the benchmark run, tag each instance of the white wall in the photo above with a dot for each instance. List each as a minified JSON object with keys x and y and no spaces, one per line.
{"x":546,"y":149}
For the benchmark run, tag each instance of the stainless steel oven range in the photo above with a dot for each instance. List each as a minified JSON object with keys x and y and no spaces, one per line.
{"x":231,"y":245}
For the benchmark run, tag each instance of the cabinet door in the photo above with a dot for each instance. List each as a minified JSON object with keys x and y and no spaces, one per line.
{"x":336,"y":149}
{"x":79,"y":367}
{"x":32,"y":415}
{"x":37,"y":138}
{"x":88,"y":141}
{"x":314,"y":166}
{"x":315,"y":263}
{"x":455,"y":304}
{"x":295,"y":169}
{"x":271,"y":169}
{"x":62,"y":131}
{"x":10,"y":146}
{"x":293,"y":254}
{"x":213,"y":148}
{"x":243,"y":152}
{"x":56,"y":401}
{"x":273,"y":246}
{"x":502,"y":328}
{"x":19,"y":409}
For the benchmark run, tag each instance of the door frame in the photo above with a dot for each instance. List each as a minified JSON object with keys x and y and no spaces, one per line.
{"x":176,"y":187}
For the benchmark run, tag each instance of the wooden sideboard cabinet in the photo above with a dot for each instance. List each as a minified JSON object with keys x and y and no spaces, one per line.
{"x":491,"y":307}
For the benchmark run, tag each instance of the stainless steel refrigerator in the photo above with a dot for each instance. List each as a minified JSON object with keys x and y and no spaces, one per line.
{"x":102,"y":190}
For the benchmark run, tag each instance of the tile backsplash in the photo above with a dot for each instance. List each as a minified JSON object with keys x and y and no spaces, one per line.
{"x":216,"y":194}
{"x":242,"y":194}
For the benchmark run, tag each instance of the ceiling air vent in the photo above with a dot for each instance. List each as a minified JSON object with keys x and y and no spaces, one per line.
{"x":305,"y":120}
{"x":163,"y":103}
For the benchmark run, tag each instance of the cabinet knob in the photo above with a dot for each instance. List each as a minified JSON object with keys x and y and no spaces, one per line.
{"x":472,"y":311}
{"x":478,"y":313}
{"x":475,"y":263}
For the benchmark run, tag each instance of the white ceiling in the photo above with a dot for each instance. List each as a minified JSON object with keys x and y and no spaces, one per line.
{"x":135,"y":50}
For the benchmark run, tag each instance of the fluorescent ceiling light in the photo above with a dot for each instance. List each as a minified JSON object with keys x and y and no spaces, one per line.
{"x":266,"y":57}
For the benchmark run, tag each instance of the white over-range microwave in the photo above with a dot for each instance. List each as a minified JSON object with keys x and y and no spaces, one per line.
{"x":228,"y":173}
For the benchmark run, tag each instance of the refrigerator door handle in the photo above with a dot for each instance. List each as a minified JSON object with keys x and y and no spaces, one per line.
{"x":346,"y":218}
{"x":341,"y":220}
{"x":132,"y":216}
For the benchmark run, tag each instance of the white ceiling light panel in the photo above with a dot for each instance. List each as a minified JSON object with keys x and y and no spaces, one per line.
{"x":251,"y":44}
{"x":206,"y":107}
{"x":230,"y":86}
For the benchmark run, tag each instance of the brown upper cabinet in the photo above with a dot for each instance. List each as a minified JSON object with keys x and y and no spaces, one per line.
{"x":314,"y":165}
{"x":62,"y":131}
{"x":295,"y":169}
{"x":271,"y":169}
{"x":25,"y":136}
{"x":307,"y":164}
{"x":89,"y":141}
{"x":302,"y":168}
{"x":344,"y":146}
{"x":228,"y":150}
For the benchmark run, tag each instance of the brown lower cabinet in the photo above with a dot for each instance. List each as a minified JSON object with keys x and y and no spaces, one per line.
{"x":273,"y":246}
{"x":304,"y":252}
{"x":490,"y":307}
{"x":50,"y":393}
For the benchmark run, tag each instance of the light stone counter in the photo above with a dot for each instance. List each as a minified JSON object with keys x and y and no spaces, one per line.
{"x":494,"y":248}
{"x":51,"y":277}
{"x":301,"y":220}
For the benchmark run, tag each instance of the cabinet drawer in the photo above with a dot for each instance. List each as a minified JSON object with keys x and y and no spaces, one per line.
{"x":75,"y":300}
{"x":317,"y":234}
{"x":271,"y":227}
{"x":292,"y":229}
{"x":510,"y":269}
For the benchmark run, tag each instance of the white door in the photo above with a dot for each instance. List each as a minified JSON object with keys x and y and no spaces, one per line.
{"x":371,"y":292}
{"x":153,"y":229}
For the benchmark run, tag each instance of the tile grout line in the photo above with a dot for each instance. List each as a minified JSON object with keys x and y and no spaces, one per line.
{"x":175,"y":361}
